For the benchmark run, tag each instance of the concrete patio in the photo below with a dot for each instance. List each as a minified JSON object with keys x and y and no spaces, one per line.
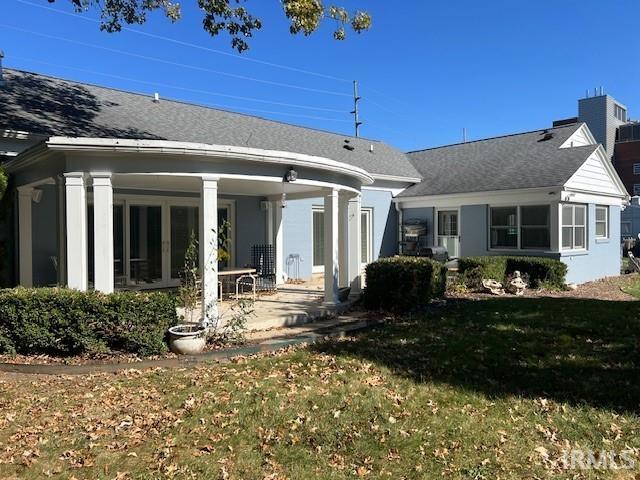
{"x":291,"y":305}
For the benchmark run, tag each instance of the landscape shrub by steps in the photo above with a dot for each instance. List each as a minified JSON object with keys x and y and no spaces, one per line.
{"x":540,"y":271}
{"x":401,"y":284}
{"x":65,"y":322}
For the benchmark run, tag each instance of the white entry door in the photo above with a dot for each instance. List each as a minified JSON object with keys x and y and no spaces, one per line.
{"x":448,"y":231}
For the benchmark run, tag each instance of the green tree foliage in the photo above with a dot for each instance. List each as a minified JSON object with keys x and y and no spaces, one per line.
{"x":3,"y":182}
{"x":228,"y":16}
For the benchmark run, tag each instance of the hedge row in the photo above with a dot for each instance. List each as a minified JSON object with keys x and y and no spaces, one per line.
{"x":540,"y":270}
{"x":67,"y":322}
{"x":401,"y":284}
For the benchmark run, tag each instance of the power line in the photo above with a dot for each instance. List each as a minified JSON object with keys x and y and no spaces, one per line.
{"x":233,"y":108}
{"x":176,"y":64}
{"x":193,"y":45}
{"x":176,"y":87}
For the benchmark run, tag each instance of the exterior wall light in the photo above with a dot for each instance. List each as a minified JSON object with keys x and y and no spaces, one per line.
{"x":291,"y":176}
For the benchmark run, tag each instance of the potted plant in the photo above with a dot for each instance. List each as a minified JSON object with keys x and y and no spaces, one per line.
{"x":190,"y":338}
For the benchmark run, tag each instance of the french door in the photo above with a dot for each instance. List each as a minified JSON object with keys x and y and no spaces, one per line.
{"x":151,"y":238}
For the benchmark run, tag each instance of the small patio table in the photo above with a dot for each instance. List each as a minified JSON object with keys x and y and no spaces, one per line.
{"x":245,"y":276}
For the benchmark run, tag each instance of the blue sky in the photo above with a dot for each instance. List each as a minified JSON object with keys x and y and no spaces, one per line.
{"x":427,"y":69}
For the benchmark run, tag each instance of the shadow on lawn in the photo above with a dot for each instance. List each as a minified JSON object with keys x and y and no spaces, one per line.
{"x":569,"y":350}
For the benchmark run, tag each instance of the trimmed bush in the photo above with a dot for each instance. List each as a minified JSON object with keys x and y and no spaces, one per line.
{"x":494,"y":268}
{"x":67,"y":322}
{"x":402,"y":284}
{"x":541,"y":271}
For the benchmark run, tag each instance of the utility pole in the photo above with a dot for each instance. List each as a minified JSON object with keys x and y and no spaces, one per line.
{"x":355,"y":111}
{"x":464,"y":135}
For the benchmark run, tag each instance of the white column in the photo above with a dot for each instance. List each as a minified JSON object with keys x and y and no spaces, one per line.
{"x":355,"y":244}
{"x":278,"y":230}
{"x":76,"y":222}
{"x":343,"y":239}
{"x":25,"y":238}
{"x":61,"y":231}
{"x":331,"y":262}
{"x":103,"y":232}
{"x":209,"y":249}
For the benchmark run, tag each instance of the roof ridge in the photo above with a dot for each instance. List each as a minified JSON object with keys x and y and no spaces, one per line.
{"x":199,"y":105}
{"x":496,"y":137}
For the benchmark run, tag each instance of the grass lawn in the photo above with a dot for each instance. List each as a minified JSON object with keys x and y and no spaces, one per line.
{"x":492,"y":389}
{"x":633,"y":289}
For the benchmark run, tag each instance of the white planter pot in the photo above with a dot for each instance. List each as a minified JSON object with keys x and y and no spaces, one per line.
{"x":187,"y":339}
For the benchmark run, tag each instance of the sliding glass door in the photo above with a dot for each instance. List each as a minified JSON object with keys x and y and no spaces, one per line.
{"x":146,"y":245}
{"x":151,"y":237}
{"x":185,"y":224}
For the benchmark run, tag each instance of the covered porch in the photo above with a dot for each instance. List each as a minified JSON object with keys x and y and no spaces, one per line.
{"x":124,"y":212}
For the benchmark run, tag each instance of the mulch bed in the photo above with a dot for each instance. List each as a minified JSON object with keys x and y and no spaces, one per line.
{"x":606,"y":289}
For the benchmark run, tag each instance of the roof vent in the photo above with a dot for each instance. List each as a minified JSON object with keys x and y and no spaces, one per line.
{"x":156,"y":97}
{"x":371,"y":148}
{"x":349,"y":147}
{"x":547,"y":136}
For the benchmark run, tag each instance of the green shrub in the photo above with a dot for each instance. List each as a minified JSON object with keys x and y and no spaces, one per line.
{"x":67,"y":322}
{"x":401,"y":284}
{"x":539,"y":270}
{"x":494,"y":268}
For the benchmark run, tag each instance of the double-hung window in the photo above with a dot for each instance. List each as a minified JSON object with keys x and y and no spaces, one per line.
{"x":574,"y":227}
{"x":602,"y":221}
{"x":527,"y":227}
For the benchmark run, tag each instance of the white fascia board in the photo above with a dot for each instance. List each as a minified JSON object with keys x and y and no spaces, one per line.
{"x":576,"y":196}
{"x":396,"y":178}
{"x":495,"y":197}
{"x":202,"y":149}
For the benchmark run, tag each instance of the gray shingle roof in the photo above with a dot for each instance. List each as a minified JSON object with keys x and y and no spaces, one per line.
{"x":40,"y":104}
{"x":523,"y":160}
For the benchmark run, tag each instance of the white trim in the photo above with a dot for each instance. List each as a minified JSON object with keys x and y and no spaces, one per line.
{"x":279,"y":242}
{"x":607,"y":230}
{"x":583,"y":130}
{"x":76,"y":226}
{"x":396,"y":178}
{"x":316,"y":268}
{"x":369,"y":213}
{"x":164,"y":147}
{"x":497,"y":197}
{"x":393,"y":191}
{"x":331,"y":248}
{"x":610,"y":170}
{"x":436,"y":236}
{"x":103,"y":251}
{"x":573,"y":226}
{"x":208,"y":213}
{"x":518,"y":248}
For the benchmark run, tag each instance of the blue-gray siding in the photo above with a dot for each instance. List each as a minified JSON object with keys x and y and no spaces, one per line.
{"x":297,"y":223}
{"x":603,"y":256}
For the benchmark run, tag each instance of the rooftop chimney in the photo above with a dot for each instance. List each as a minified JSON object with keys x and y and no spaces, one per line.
{"x":1,"y":77}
